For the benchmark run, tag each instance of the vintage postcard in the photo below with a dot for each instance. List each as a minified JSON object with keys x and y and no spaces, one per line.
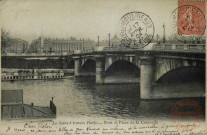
{"x":103,"y":67}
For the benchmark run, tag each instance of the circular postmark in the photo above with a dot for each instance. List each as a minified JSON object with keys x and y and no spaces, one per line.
{"x":188,"y":23}
{"x":187,"y":114}
{"x":136,"y":30}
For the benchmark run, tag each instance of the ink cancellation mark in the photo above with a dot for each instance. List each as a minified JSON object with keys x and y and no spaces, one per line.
{"x":187,"y":114}
{"x":136,"y":29}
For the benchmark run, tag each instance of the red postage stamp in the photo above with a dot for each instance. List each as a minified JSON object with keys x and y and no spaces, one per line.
{"x":187,"y":114}
{"x":191,"y":18}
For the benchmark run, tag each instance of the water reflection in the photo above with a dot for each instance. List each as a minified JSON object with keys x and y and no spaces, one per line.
{"x":81,"y":96}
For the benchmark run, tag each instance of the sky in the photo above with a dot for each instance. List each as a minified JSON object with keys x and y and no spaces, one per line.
{"x":29,"y":19}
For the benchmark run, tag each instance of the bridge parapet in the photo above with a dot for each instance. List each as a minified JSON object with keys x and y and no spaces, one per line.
{"x":200,"y":48}
{"x":107,"y":49}
{"x":35,"y":55}
{"x":77,"y":51}
{"x":181,"y":47}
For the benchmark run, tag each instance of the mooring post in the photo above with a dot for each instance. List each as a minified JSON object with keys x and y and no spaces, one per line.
{"x":146,"y":77}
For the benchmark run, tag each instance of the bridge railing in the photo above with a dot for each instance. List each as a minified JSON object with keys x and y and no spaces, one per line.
{"x":107,"y":49}
{"x":120,"y":48}
{"x":36,"y":54}
{"x":88,"y":50}
{"x":180,"y":47}
{"x":160,"y":47}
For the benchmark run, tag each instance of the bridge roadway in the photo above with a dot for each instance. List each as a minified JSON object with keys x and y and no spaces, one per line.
{"x":153,"y":62}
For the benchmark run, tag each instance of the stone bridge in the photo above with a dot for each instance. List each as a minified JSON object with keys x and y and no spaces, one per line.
{"x":147,"y":66}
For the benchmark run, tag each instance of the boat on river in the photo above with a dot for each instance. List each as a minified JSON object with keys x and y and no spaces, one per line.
{"x":31,"y":74}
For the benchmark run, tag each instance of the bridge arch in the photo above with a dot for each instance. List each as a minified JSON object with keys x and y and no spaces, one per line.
{"x":165,"y":66}
{"x":71,"y":64}
{"x":122,"y":67}
{"x":86,"y":59}
{"x":122,"y":71}
{"x":89,"y":66}
{"x":112,"y":59}
{"x":184,"y":74}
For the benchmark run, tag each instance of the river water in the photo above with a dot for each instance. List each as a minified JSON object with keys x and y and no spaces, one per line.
{"x":76,"y":97}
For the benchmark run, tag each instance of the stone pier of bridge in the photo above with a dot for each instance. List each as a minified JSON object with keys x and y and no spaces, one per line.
{"x":77,"y":67}
{"x":146,"y":76}
{"x":100,"y":68}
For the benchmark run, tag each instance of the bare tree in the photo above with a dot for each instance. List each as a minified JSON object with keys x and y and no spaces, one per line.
{"x":5,"y":40}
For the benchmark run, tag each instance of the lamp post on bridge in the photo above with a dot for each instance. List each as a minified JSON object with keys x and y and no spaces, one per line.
{"x":98,"y":40}
{"x":61,"y":49}
{"x":83,"y":44}
{"x":140,"y":34}
{"x":109,"y":39}
{"x":50,"y":51}
{"x":158,"y":39}
{"x":163,"y":33}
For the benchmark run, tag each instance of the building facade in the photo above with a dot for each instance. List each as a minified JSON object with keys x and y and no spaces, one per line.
{"x":60,"y":45}
{"x":66,"y":45}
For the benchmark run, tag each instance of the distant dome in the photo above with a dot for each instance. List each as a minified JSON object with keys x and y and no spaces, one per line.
{"x":115,"y":38}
